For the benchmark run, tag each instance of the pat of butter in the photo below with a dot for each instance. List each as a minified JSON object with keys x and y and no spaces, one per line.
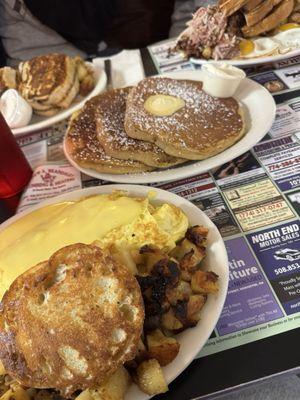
{"x":163,"y":105}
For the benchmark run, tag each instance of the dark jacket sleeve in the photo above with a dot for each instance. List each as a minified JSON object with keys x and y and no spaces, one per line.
{"x":2,"y":55}
{"x":81,"y":22}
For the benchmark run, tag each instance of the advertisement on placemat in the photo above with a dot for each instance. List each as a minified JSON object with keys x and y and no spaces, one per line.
{"x":50,"y":181}
{"x":278,"y":250}
{"x":294,"y":199}
{"x":244,"y":168}
{"x":258,"y":204}
{"x":216,"y":209}
{"x":202,"y":191}
{"x":290,"y":76}
{"x":270,"y":81}
{"x":250,"y":300}
{"x":287,"y":120}
{"x":281,"y":158}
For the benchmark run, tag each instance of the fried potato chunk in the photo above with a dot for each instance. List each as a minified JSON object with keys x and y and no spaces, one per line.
{"x":204,"y":282}
{"x":194,"y":306}
{"x":113,"y":388}
{"x":170,"y":322}
{"x":150,"y":377}
{"x":164,"y":349}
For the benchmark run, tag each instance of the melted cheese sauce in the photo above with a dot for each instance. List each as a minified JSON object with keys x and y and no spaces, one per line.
{"x":108,"y":219}
{"x":38,"y":235}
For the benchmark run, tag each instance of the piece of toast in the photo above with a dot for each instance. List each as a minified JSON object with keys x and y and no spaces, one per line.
{"x":251,"y":4}
{"x":258,"y":13}
{"x":204,"y":126}
{"x":231,"y":6}
{"x":272,"y":20}
{"x":110,"y":115}
{"x":70,"y":322}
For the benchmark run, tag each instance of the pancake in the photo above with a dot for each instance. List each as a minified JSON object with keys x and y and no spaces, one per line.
{"x":70,"y":322}
{"x":110,"y":115}
{"x":201,"y":127}
{"x":83,"y":147}
{"x":49,"y":81}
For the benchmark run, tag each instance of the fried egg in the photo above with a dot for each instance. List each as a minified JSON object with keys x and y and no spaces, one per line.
{"x":260,"y":47}
{"x":288,"y":39}
{"x":288,"y":26}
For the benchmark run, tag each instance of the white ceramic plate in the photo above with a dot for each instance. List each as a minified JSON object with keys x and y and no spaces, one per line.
{"x":251,"y":61}
{"x":39,"y":122}
{"x":260,"y":112}
{"x":192,"y":340}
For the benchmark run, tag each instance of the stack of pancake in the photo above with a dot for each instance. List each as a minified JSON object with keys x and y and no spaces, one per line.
{"x":51,"y":82}
{"x":159,"y":123}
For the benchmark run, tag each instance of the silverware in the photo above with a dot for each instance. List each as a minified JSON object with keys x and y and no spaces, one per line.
{"x":107,"y":68}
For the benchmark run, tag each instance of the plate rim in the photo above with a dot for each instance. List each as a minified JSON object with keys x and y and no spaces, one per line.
{"x":64,"y":114}
{"x":196,"y":167}
{"x":164,"y":196}
{"x":249,"y":62}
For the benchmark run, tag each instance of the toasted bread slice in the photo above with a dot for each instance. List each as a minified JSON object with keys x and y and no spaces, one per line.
{"x":110,"y":115}
{"x":272,"y":20}
{"x":202,"y":127}
{"x":295,"y":17}
{"x":69,"y":323}
{"x":231,"y":6}
{"x":251,"y":4}
{"x":84,"y":148}
{"x":259,"y":12}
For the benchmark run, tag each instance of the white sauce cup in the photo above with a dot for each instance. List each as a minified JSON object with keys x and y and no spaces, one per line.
{"x":221,"y":80}
{"x":16,"y":111}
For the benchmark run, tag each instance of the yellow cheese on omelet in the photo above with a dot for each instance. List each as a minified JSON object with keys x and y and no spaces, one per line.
{"x":107,"y":219}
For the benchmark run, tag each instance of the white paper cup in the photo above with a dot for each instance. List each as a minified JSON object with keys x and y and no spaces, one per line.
{"x":16,"y":111}
{"x":221,"y":80}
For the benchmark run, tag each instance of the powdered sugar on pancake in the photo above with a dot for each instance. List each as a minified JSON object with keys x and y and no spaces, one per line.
{"x":201,"y":123}
{"x":83,"y":136}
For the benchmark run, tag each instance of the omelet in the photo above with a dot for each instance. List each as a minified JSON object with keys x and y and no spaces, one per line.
{"x":105,"y":220}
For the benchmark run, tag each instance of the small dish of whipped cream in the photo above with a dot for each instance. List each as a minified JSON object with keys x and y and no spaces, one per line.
{"x":221,"y":79}
{"x":15,"y":110}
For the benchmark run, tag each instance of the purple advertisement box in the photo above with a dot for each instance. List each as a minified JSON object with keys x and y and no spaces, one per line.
{"x":250,"y":300}
{"x":278,"y":250}
{"x":288,"y":183}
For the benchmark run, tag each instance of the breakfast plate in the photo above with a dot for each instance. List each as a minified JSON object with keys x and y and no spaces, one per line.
{"x":40,"y":122}
{"x":259,"y":111}
{"x":192,"y":340}
{"x":251,"y":61}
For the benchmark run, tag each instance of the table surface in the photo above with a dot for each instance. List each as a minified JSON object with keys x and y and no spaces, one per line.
{"x":242,"y":365}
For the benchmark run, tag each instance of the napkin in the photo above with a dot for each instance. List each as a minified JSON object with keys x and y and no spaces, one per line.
{"x":127,"y":67}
